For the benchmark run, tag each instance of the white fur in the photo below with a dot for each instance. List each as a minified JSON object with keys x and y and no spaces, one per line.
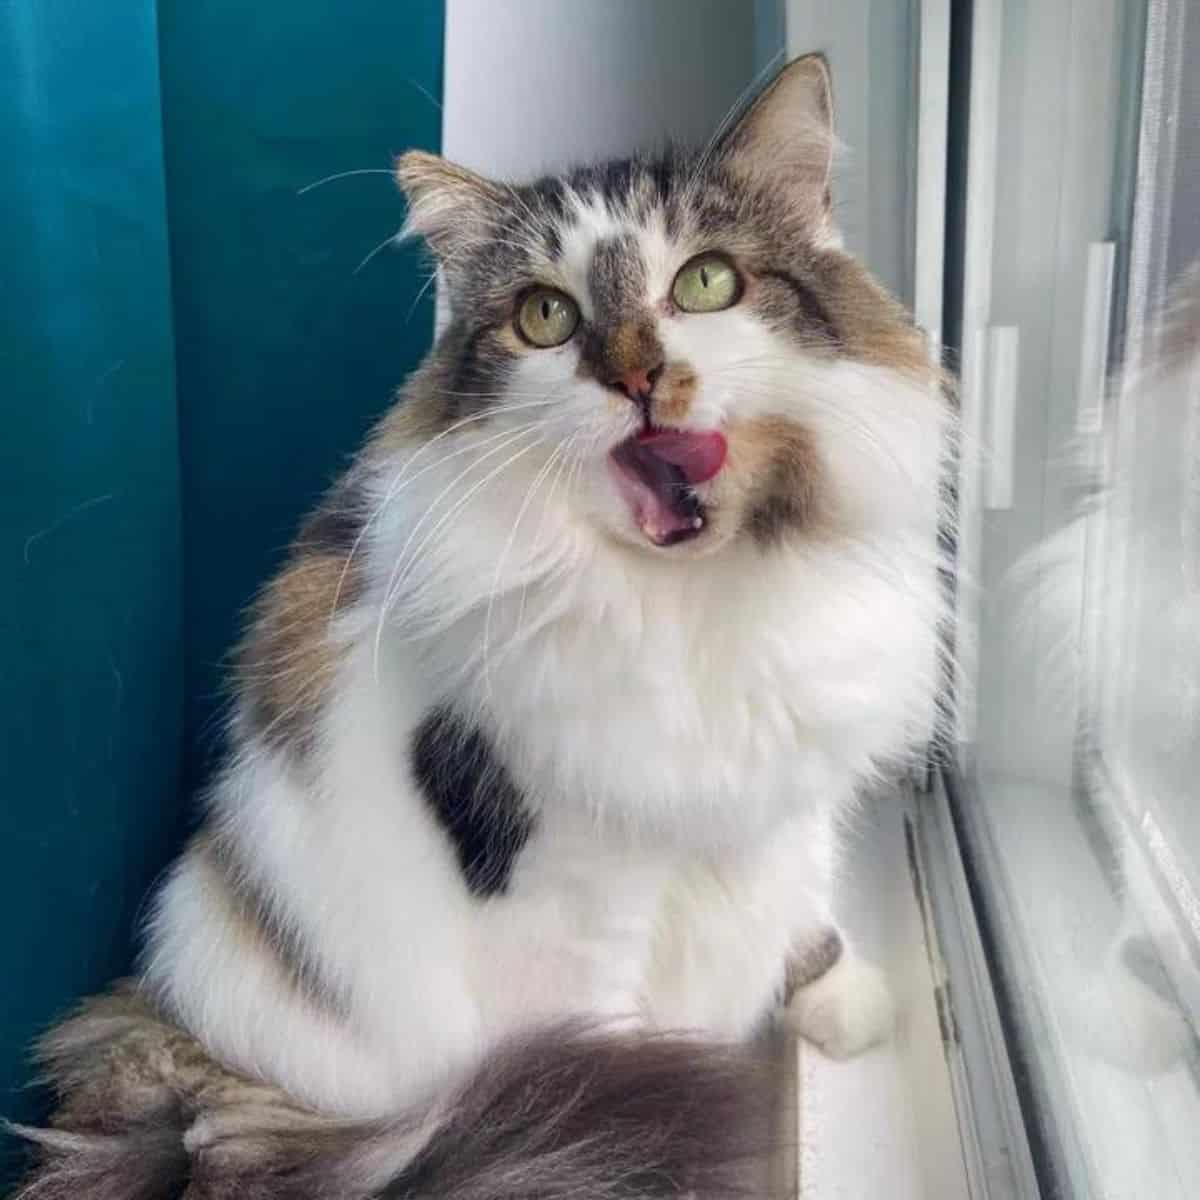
{"x":688,"y":726}
{"x":844,"y":1012}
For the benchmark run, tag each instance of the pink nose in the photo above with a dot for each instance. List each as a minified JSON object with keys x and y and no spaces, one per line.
{"x":639,"y":381}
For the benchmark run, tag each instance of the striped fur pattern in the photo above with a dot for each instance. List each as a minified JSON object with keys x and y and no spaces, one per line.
{"x":554,"y":715}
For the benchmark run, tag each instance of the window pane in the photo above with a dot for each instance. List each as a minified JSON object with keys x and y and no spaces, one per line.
{"x":1081,"y":354}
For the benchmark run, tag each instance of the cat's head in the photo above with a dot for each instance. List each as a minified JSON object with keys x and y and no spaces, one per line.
{"x":685,"y":330}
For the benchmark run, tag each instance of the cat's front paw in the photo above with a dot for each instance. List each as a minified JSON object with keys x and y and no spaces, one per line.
{"x":845,"y":1011}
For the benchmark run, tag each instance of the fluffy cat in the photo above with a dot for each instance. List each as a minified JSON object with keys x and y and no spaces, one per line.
{"x":553,"y":713}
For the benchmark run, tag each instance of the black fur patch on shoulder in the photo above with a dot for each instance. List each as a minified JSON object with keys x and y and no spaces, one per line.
{"x":473,"y":798}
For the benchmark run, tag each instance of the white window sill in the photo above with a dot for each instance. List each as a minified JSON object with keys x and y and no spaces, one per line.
{"x":1121,"y":1059}
{"x":883,"y":1124}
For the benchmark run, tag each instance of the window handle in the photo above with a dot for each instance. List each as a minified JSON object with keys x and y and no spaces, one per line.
{"x":1002,"y":365}
{"x":1093,"y":349}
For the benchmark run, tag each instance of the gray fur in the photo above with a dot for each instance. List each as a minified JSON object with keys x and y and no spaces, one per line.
{"x":814,"y":960}
{"x":567,"y":1113}
{"x":139,"y":1164}
{"x":705,"y":199}
{"x":616,"y":279}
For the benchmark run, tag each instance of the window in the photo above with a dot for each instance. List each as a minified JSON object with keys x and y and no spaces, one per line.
{"x":1079,"y":699}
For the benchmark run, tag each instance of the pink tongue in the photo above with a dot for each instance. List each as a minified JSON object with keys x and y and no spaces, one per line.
{"x":698,"y":455}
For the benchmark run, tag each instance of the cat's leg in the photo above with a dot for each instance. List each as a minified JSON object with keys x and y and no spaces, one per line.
{"x":833,"y":996}
{"x":740,"y":936}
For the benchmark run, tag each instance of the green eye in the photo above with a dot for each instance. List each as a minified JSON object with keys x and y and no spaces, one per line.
{"x":547,"y":317}
{"x":706,"y":284}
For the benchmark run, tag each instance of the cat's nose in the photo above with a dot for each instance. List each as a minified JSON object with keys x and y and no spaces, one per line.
{"x":638,"y":383}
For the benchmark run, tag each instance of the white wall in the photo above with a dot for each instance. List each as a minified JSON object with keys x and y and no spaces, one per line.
{"x":871,"y":49}
{"x":533,"y":85}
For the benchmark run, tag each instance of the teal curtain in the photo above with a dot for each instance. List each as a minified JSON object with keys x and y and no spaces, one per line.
{"x":192,"y":340}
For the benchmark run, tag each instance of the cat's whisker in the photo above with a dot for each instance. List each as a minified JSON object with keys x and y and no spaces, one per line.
{"x":462,"y":251}
{"x":429,"y":282}
{"x":448,"y":260}
{"x":544,"y":400}
{"x":581,"y":459}
{"x":531,"y":491}
{"x":455,"y":509}
{"x":504,"y":438}
{"x":495,"y":395}
{"x":734,"y":110}
{"x":563,"y":459}
{"x":402,"y":480}
{"x":491,"y":413}
{"x":406,"y":560}
{"x":424,"y":91}
{"x":530,"y":227}
{"x":466,"y":247}
{"x":766,"y":362}
{"x":839,"y":415}
{"x":390,"y":240}
{"x":308,"y":187}
{"x":572,"y":474}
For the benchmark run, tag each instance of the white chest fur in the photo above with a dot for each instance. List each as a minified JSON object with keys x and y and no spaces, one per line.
{"x":708,"y":705}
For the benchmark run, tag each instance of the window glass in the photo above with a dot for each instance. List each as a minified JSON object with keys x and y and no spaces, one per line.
{"x":1081,"y":572}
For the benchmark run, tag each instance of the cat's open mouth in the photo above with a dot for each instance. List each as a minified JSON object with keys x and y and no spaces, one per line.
{"x":657,"y":471}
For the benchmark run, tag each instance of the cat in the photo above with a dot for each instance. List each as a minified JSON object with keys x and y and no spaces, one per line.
{"x":545,"y":730}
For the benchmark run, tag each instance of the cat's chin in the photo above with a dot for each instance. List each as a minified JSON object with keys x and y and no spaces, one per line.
{"x":705,"y":541}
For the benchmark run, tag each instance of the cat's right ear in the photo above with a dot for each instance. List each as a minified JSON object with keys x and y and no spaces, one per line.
{"x":785,"y":138}
{"x":448,"y":206}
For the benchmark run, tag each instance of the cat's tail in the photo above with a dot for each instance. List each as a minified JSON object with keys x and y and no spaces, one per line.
{"x":564,"y":1113}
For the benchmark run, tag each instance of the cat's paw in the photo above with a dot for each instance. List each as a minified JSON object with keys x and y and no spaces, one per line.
{"x":845,"y":1011}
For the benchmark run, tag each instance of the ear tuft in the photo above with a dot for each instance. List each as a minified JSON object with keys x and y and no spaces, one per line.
{"x":448,"y":205}
{"x":786,"y":135}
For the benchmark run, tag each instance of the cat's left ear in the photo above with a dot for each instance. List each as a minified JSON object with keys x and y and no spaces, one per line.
{"x":785,"y":138}
{"x":448,"y":205}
